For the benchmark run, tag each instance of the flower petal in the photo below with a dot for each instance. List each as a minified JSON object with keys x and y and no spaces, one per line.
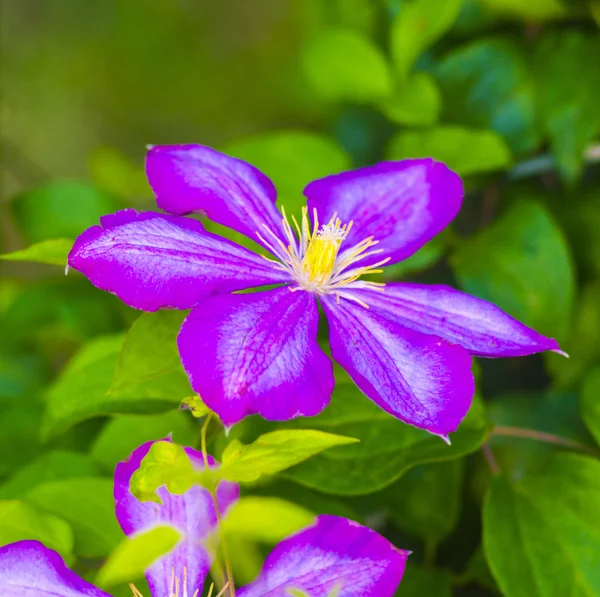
{"x":152,"y":261}
{"x":29,"y":569}
{"x":421,"y":379}
{"x":195,"y":178}
{"x":401,"y":204}
{"x":333,"y":553}
{"x":477,"y":325}
{"x":257,"y":353}
{"x":192,"y":514}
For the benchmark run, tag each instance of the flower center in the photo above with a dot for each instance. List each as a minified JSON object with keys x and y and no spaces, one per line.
{"x":314,"y":260}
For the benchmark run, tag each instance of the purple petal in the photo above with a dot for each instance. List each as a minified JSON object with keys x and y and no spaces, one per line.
{"x":257,"y":353}
{"x":29,"y":569}
{"x":192,"y":513}
{"x":421,"y":379}
{"x":195,"y":178}
{"x":477,"y":325}
{"x":401,"y":204}
{"x":152,"y":261}
{"x":333,"y":553}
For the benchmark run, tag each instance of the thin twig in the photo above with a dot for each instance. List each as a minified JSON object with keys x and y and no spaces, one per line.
{"x":490,"y":459}
{"x":547,"y":438}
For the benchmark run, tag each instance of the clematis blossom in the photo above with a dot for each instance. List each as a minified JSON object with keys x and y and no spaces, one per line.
{"x":407,"y":346}
{"x":334,"y":554}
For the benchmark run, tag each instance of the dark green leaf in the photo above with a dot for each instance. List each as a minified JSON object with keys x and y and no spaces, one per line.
{"x":542,"y":535}
{"x":53,"y":251}
{"x":522,"y":264}
{"x":424,"y":582}
{"x":533,"y":10}
{"x":589,"y":403}
{"x":466,"y":151}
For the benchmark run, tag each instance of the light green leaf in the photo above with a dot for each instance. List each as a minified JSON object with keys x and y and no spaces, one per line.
{"x":195,"y":405}
{"x":589,"y":403}
{"x":291,"y":159}
{"x":167,"y":464}
{"x":426,"y":500}
{"x":417,"y":25}
{"x":53,"y":251}
{"x":149,"y":365}
{"x":487,"y":85}
{"x":429,"y":254}
{"x":125,"y":433}
{"x":532,"y":10}
{"x":541,"y":535}
{"x":20,"y":521}
{"x":464,"y":150}
{"x":60,"y":209}
{"x":415,"y":102}
{"x":134,"y":555}
{"x":81,"y":391}
{"x":522,"y":264}
{"x":421,"y":582}
{"x":274,"y":452}
{"x":51,"y":466}
{"x":568,"y":97}
{"x":342,"y":64}
{"x":87,"y":504}
{"x":387,"y":448}
{"x":266,"y":519}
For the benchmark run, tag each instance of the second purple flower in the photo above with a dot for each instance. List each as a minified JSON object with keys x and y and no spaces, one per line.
{"x":407,"y":346}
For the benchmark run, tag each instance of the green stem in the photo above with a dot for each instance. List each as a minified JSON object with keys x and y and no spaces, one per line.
{"x":490,"y":459}
{"x":229,"y":573}
{"x":547,"y":438}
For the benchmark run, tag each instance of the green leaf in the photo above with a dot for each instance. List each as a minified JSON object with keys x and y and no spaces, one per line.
{"x":487,"y":84}
{"x":291,"y":159}
{"x":274,"y":452}
{"x":429,"y":254}
{"x":420,"y":582}
{"x":387,"y":448}
{"x":417,"y":25}
{"x":532,"y":10}
{"x":51,"y":466}
{"x":20,"y":375}
{"x":125,"y":433}
{"x":415,"y":102}
{"x":568,"y":97}
{"x":589,"y":403}
{"x":81,"y":391}
{"x":541,"y":535}
{"x":167,"y":464}
{"x":149,"y":365}
{"x":266,"y":519}
{"x":426,"y":500}
{"x":87,"y":504}
{"x":522,"y":264}
{"x":342,"y":64}
{"x":466,"y":151}
{"x":134,"y":555}
{"x":20,"y":521}
{"x":60,"y":209}
{"x":53,"y":251}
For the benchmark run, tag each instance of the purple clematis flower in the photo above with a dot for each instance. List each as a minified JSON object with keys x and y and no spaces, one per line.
{"x":334,"y":553}
{"x":407,"y":346}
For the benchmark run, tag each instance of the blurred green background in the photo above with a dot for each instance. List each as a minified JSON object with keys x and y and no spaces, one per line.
{"x":504,"y":91}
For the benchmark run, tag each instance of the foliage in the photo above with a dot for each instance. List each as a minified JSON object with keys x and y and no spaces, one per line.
{"x":504,"y":91}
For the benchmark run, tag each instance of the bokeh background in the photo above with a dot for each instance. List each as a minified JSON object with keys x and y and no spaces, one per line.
{"x":504,"y":91}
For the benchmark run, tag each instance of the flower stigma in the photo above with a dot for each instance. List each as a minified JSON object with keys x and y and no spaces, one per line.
{"x":314,"y":258}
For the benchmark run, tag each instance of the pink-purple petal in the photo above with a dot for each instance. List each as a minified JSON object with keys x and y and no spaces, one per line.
{"x":29,"y":569}
{"x":401,"y":204}
{"x":477,"y":325}
{"x":153,"y":261}
{"x":195,"y":178}
{"x":257,"y":353}
{"x":335,"y":553}
{"x":192,"y":514}
{"x":419,"y":378}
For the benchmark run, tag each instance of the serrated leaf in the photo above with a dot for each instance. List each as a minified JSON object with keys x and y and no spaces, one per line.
{"x":464,"y":150}
{"x":342,"y":64}
{"x":20,"y":521}
{"x":134,"y":555}
{"x":275,"y":451}
{"x":54,"y":252}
